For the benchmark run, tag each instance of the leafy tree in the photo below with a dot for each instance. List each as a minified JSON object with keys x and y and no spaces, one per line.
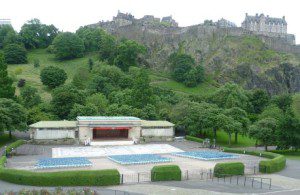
{"x":283,"y":101}
{"x":120,"y":110}
{"x":12,"y":38}
{"x":13,"y":116}
{"x":121,"y":97}
{"x":30,"y":97}
{"x":15,"y":54}
{"x":82,"y":110}
{"x":194,"y":76}
{"x":35,"y":114}
{"x":36,"y":63}
{"x":264,"y":130}
{"x":53,"y":77}
{"x":4,"y":31}
{"x":230,"y":95}
{"x":100,"y":84}
{"x":91,"y":64}
{"x":68,"y":46}
{"x":127,"y":54}
{"x":107,"y":48}
{"x":91,"y":37}
{"x":259,"y":100}
{"x":37,"y":35}
{"x":99,"y":101}
{"x":271,"y":111}
{"x":239,"y":115}
{"x":81,"y":78}
{"x":143,"y":93}
{"x":229,"y":125}
{"x":288,"y":131}
{"x":6,"y":88}
{"x":64,"y":98}
{"x":181,"y":64}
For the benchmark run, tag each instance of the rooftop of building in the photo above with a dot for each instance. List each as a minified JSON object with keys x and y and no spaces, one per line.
{"x":54,"y":124}
{"x":107,"y":118}
{"x":146,"y":123}
{"x":267,"y":18}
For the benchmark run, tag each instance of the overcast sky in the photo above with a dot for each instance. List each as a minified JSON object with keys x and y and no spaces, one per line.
{"x":68,"y":15}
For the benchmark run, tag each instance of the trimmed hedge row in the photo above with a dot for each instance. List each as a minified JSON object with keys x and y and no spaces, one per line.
{"x":228,"y":169}
{"x":166,"y":173}
{"x":63,"y":178}
{"x":14,"y":145}
{"x":192,"y":138}
{"x":276,"y":163}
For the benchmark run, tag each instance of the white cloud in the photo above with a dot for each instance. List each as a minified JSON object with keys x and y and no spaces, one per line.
{"x":68,"y":15}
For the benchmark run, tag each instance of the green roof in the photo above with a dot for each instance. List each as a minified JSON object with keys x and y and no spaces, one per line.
{"x":156,"y":124}
{"x":107,"y":118}
{"x":54,"y":124}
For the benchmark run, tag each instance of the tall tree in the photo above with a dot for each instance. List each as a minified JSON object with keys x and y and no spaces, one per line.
{"x":37,"y":35}
{"x":239,"y":115}
{"x":30,"y":97}
{"x":64,"y":98}
{"x":68,"y":46}
{"x":229,"y":125}
{"x":127,"y":54}
{"x":5,"y":30}
{"x":264,"y":130}
{"x":13,"y":116}
{"x":6,"y":88}
{"x":259,"y":100}
{"x":143,"y":93}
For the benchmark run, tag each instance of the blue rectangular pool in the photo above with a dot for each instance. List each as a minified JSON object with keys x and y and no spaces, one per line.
{"x":138,"y":159}
{"x":47,"y":163}
{"x":206,"y":155}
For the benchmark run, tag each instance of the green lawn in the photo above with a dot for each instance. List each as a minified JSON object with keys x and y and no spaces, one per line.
{"x":293,"y":156}
{"x":4,"y":139}
{"x":222,"y":140}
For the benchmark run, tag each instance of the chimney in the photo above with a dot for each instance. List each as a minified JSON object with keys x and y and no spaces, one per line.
{"x":246,"y":14}
{"x":256,"y":15}
{"x":283,"y":17}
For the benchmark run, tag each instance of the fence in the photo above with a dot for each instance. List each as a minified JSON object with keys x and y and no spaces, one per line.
{"x":204,"y":175}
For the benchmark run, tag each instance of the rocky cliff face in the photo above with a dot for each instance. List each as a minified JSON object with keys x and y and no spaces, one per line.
{"x":229,"y":54}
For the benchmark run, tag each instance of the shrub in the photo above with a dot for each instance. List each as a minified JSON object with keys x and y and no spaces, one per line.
{"x":15,"y":54}
{"x":53,"y":77}
{"x":194,"y":139}
{"x":228,"y":169}
{"x":63,"y":178}
{"x":2,"y":161}
{"x":14,"y":145}
{"x":166,"y":173}
{"x":276,"y":163}
{"x":21,"y":83}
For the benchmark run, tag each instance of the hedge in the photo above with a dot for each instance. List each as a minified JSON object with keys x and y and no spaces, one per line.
{"x":14,"y":145}
{"x":192,"y":138}
{"x":63,"y":178}
{"x":276,"y":163}
{"x":228,"y":169}
{"x":166,"y":173}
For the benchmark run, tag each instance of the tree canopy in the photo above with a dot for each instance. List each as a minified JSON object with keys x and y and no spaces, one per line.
{"x":15,"y":54}
{"x":6,"y":83}
{"x":68,"y":46}
{"x":52,"y":76}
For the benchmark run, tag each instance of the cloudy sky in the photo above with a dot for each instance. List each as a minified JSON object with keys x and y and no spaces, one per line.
{"x":68,"y":15}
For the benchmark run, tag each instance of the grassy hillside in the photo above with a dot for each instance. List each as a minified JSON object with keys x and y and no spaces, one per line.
{"x":32,"y":75}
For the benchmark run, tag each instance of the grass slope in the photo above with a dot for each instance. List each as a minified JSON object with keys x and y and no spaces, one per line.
{"x":32,"y":75}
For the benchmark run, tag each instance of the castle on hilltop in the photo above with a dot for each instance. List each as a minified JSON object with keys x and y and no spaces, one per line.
{"x":265,"y":24}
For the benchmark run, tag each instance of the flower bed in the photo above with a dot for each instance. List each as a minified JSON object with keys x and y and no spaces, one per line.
{"x":138,"y":159}
{"x":47,"y":163}
{"x":206,"y":155}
